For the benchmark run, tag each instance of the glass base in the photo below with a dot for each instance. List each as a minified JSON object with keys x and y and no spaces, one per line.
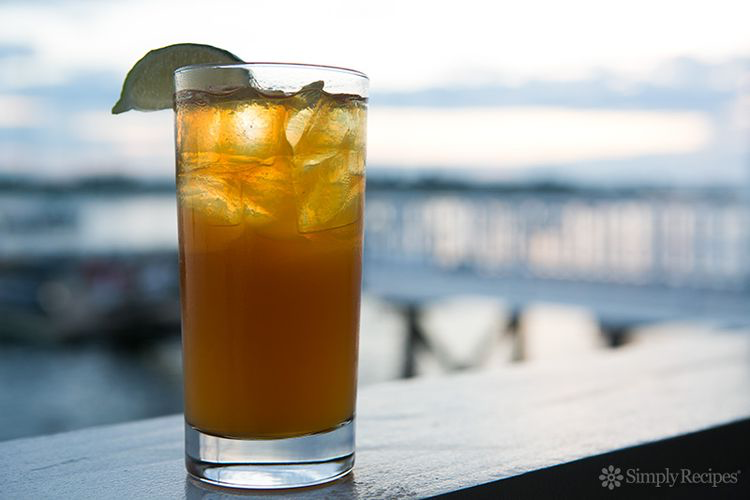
{"x":270,"y":463}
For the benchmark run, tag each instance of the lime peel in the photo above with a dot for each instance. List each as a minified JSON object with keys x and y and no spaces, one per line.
{"x":149,"y":85}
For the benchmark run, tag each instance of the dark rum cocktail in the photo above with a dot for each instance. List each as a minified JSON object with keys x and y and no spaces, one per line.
{"x":270,"y":190}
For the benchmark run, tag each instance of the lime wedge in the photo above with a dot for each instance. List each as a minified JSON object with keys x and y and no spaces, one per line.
{"x":150,"y":83}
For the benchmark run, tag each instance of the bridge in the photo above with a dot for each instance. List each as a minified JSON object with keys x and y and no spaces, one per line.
{"x":630,"y":255}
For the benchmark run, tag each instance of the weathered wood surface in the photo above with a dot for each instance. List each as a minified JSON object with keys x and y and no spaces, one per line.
{"x":427,"y":437}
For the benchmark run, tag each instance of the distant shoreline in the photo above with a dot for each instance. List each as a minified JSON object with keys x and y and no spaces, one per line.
{"x":121,"y":185}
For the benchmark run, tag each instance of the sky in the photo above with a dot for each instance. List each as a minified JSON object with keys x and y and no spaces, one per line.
{"x":534,"y":86}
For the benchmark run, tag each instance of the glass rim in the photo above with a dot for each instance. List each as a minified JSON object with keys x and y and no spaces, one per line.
{"x":250,"y":65}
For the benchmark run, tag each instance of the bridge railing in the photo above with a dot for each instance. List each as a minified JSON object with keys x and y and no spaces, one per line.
{"x":698,"y":241}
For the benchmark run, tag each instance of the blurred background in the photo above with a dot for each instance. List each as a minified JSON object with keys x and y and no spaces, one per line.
{"x":546,"y":181}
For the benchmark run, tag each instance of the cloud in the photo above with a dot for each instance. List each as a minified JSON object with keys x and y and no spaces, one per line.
{"x":20,"y":111}
{"x":526,"y":136}
{"x":680,"y":84}
{"x":131,"y":135}
{"x":14,"y":50}
{"x":64,"y":64}
{"x":428,"y":44}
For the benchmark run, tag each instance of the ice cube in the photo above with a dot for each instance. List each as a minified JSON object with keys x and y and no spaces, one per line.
{"x":210,"y":213}
{"x":215,"y":195}
{"x":302,"y":107}
{"x":254,"y":130}
{"x":323,"y":129}
{"x":198,"y":129}
{"x":328,"y":163}
{"x":266,"y":191}
{"x":327,"y":194}
{"x":310,"y":94}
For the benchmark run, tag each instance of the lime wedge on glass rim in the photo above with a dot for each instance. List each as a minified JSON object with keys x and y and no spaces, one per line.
{"x":149,"y":85}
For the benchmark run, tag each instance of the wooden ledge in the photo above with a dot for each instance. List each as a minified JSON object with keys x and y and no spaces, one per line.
{"x":522,"y":430}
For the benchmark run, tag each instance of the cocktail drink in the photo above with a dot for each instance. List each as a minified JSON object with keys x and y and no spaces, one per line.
{"x":270,"y":183}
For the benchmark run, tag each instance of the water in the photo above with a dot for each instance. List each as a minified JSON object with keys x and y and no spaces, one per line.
{"x":53,"y":389}
{"x":700,"y":241}
{"x":38,"y":224}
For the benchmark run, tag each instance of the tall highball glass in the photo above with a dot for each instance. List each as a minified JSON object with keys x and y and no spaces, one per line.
{"x":270,"y":188}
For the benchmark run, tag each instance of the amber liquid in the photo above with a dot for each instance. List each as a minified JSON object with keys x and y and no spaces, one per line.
{"x":270,"y":265}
